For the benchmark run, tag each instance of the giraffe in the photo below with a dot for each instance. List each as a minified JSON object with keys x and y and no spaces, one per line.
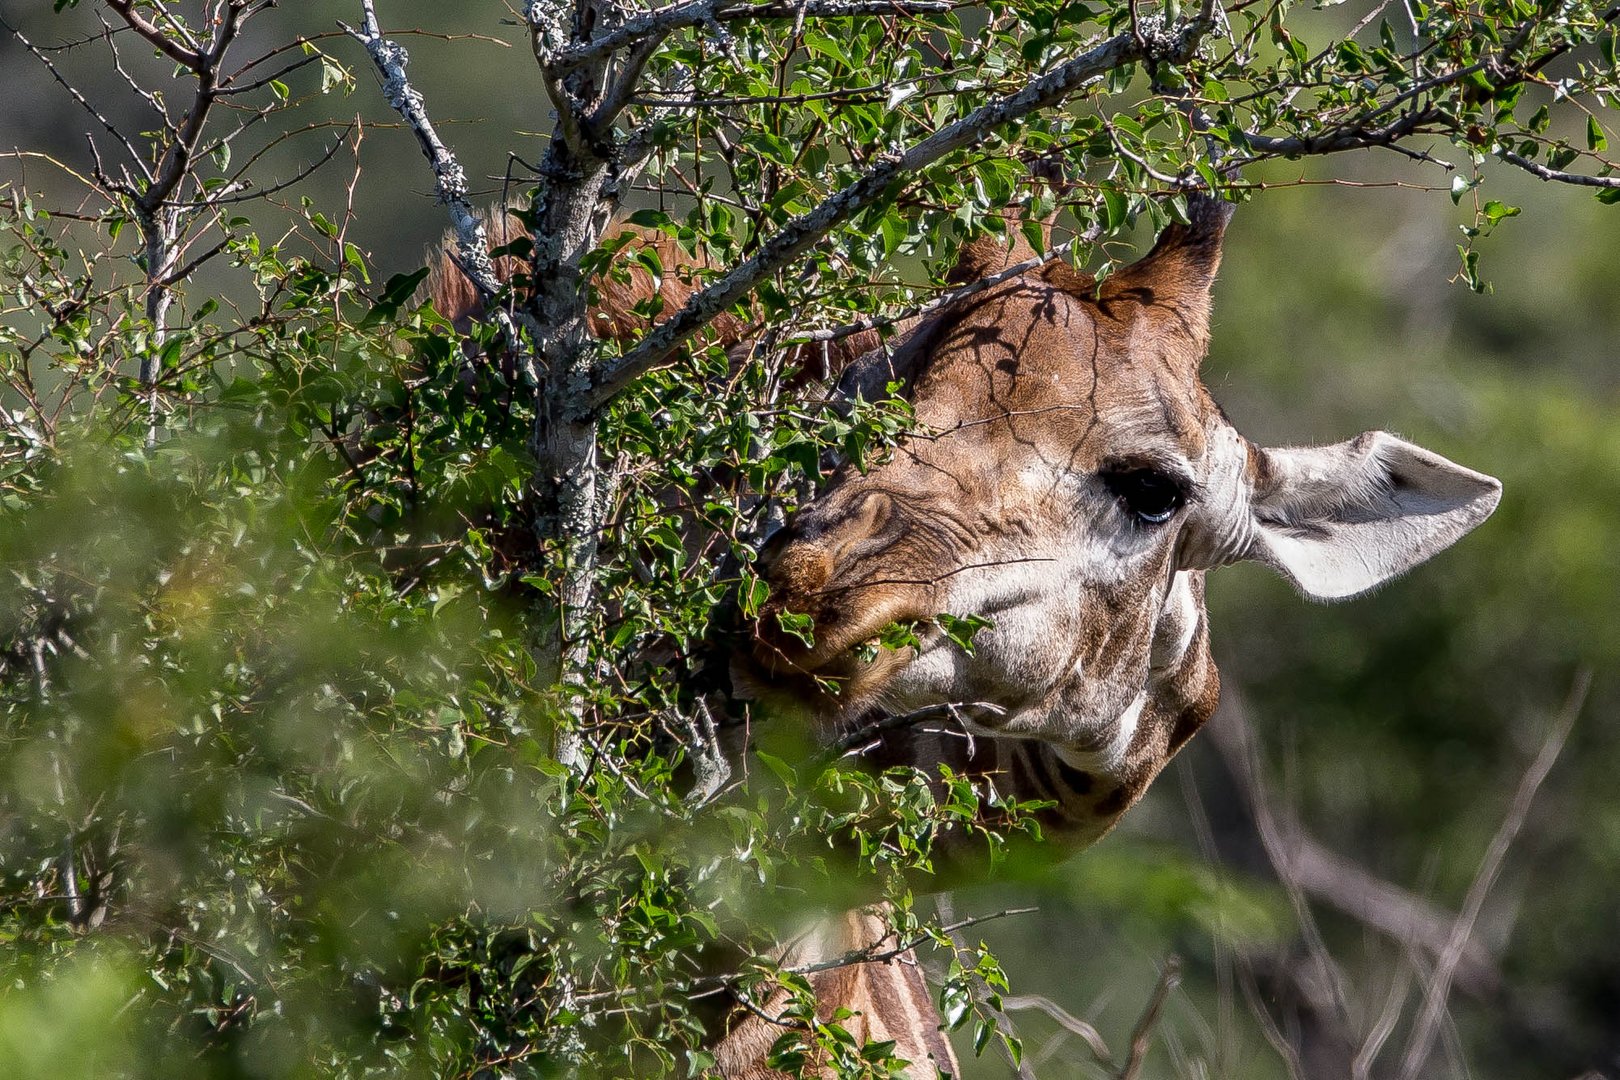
{"x":1072,"y":481}
{"x":889,"y":998}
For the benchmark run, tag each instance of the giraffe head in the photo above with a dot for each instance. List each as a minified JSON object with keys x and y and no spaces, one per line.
{"x":1071,"y":480}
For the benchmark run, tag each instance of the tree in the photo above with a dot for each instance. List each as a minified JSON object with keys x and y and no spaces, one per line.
{"x":355,"y":678}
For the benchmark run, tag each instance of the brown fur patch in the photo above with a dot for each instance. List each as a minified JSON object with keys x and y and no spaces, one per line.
{"x":613,"y":315}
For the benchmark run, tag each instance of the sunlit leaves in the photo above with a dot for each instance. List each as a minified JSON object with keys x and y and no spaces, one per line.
{"x":276,"y":727}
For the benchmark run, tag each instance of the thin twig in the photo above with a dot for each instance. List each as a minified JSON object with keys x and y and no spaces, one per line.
{"x":1142,"y":1036}
{"x":866,"y":733}
{"x":981,"y":991}
{"x":1543,"y":172}
{"x":1384,"y":1026}
{"x":1330,"y":878}
{"x":938,"y":303}
{"x":450,"y":179}
{"x":1064,"y":1019}
{"x":1438,"y":990}
{"x":1279,"y":850}
{"x":1174,"y":43}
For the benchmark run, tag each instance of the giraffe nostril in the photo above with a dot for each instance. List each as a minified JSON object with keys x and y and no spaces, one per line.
{"x":798,"y":571}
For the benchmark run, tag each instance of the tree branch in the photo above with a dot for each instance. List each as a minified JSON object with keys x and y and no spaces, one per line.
{"x":450,"y":179}
{"x":861,"y":737}
{"x":1065,"y":1020}
{"x":177,"y":159}
{"x":1540,"y":171}
{"x":982,"y":991}
{"x":1438,"y":990}
{"x":84,"y":103}
{"x":193,"y":59}
{"x":666,"y":20}
{"x":1309,"y":865}
{"x":1175,"y":43}
{"x":1142,"y":1036}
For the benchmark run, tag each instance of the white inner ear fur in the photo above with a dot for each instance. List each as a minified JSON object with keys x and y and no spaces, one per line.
{"x":1339,"y":520}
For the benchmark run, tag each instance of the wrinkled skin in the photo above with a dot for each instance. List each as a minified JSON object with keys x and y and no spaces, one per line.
{"x":1072,"y":480}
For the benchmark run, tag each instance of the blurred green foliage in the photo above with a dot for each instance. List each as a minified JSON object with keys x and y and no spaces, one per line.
{"x":276,"y":793}
{"x":278,"y":788}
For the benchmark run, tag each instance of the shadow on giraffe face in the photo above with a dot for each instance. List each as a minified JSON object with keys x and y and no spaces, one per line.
{"x":1071,"y":481}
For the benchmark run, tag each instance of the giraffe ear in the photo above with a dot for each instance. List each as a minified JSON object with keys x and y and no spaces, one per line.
{"x":988,"y":254}
{"x":1177,"y":275}
{"x":1339,"y":520}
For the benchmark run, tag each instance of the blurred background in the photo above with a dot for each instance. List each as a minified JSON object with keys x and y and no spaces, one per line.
{"x":1378,"y":744}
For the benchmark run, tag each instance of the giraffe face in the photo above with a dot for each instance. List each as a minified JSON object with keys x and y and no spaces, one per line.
{"x":1070,"y":481}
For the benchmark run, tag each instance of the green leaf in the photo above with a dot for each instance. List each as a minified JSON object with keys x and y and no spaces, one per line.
{"x":1115,"y":209}
{"x":648,"y":218}
{"x":1470,"y":269}
{"x":784,"y":772}
{"x":961,"y":629}
{"x":1595,"y":139}
{"x":798,"y":625}
{"x":754,"y":596}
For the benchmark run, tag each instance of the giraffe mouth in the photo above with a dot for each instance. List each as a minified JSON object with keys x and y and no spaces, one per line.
{"x":833,"y":687}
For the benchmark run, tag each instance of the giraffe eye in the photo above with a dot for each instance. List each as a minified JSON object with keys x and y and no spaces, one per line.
{"x":1148,"y":494}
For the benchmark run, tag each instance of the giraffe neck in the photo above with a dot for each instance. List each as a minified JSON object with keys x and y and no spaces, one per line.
{"x":888,"y":999}
{"x":1087,"y":791}
{"x":1087,"y":794}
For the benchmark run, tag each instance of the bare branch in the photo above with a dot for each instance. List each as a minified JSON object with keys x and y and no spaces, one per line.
{"x":237,"y":190}
{"x":1438,"y":990}
{"x":192,"y":58}
{"x":873,"y":954}
{"x":450,"y":179}
{"x":84,"y":103}
{"x":704,"y":751}
{"x":1306,"y":863}
{"x":1334,"y":880}
{"x":1142,"y":1036}
{"x":1384,"y":1026}
{"x":176,"y":162}
{"x":229,"y":87}
{"x":1350,"y":136}
{"x":623,"y":86}
{"x":1536,"y":169}
{"x":109,"y":37}
{"x":1065,"y":1020}
{"x":866,"y":734}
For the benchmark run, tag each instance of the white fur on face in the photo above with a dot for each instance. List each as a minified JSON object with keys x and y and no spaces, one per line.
{"x":1038,"y":601}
